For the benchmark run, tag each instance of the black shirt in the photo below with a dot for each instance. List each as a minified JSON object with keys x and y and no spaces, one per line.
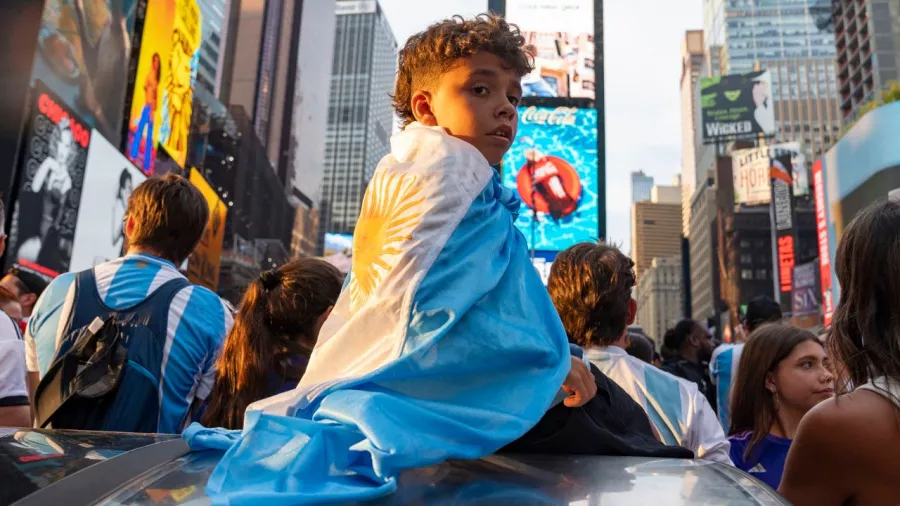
{"x":695,"y":373}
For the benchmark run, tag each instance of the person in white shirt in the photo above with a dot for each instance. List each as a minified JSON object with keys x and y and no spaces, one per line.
{"x":591,"y":285}
{"x":15,"y":410}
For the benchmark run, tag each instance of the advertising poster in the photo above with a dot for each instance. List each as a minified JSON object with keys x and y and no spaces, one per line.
{"x":822,"y":236}
{"x":161,"y":106}
{"x":552,"y":166}
{"x":109,"y":179}
{"x":784,"y":238}
{"x":737,"y":106}
{"x":83,"y":52}
{"x":46,"y":212}
{"x":203,"y":265}
{"x":560,"y":37}
{"x":805,"y":300}
{"x":752,"y":181}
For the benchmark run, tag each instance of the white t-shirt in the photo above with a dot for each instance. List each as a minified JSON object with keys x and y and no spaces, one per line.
{"x":13,"y":391}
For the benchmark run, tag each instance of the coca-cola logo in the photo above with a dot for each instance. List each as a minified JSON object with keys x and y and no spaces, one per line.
{"x":564,"y":116}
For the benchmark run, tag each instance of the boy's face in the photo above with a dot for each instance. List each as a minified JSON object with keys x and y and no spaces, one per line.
{"x":475,"y":101}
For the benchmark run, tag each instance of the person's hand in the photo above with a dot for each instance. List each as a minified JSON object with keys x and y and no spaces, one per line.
{"x":579,"y":384}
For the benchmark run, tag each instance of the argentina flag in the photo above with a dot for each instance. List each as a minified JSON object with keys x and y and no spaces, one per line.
{"x":443,"y":344}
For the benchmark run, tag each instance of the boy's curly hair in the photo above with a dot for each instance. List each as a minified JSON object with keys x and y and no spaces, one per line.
{"x":428,"y":54}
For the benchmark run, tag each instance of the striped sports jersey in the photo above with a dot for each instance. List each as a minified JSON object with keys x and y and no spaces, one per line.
{"x":676,"y":408}
{"x":197,"y":323}
{"x":12,"y":364}
{"x":723,"y":370}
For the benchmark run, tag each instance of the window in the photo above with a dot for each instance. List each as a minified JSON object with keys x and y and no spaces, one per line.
{"x":746,"y":273}
{"x":762,"y":274}
{"x":746,"y":258}
{"x":745,"y":243}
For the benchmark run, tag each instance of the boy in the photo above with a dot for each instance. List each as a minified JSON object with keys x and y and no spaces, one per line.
{"x":444,"y":343}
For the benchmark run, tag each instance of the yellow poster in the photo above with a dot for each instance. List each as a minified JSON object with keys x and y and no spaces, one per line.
{"x":163,"y":91}
{"x":203,"y":266}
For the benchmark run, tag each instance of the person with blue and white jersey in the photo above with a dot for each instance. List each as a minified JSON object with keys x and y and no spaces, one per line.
{"x":723,"y":365}
{"x":165,"y":220}
{"x":591,"y":286}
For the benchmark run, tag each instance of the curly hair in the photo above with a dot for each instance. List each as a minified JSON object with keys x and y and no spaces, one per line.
{"x":429,"y":54}
{"x":590,"y":285}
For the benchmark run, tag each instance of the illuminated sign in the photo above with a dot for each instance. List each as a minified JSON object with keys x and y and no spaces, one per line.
{"x":553,"y":167}
{"x":822,"y":236}
{"x":781,"y":210}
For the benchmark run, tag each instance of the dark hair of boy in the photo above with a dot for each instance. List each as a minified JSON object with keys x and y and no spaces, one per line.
{"x":169,"y":215}
{"x":429,"y":54}
{"x":278,"y":322}
{"x":590,"y":285}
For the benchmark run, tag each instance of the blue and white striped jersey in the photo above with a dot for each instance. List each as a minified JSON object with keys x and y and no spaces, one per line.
{"x":680,"y":413}
{"x":198,"y":321}
{"x":723,"y":368}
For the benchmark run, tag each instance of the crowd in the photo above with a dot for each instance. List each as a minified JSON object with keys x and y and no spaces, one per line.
{"x":816,"y":419}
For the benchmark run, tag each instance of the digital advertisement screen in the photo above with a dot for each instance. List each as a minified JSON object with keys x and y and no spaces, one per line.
{"x":737,"y":106}
{"x":46,"y":212}
{"x":560,"y":36}
{"x":553,"y":167}
{"x":784,"y":235}
{"x":109,"y":179}
{"x":752,"y":178}
{"x":822,"y":236}
{"x":161,"y":106}
{"x":203,"y":265}
{"x":83,"y":53}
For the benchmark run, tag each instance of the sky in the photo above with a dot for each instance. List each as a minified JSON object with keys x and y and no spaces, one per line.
{"x":642,"y":65}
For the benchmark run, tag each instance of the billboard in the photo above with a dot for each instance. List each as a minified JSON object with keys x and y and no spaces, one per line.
{"x":84,"y":48}
{"x":161,"y":105}
{"x":822,"y":236}
{"x":784,"y":238}
{"x":338,"y":243}
{"x":752,"y":179}
{"x":109,"y":179}
{"x":553,"y":167}
{"x":203,"y":265}
{"x":46,"y":211}
{"x":560,"y":37}
{"x":737,"y":106}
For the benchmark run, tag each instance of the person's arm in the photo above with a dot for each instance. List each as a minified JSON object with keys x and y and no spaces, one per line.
{"x":820,"y":468}
{"x":707,"y":439}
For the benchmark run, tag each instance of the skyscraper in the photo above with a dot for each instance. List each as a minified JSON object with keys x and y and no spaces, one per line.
{"x":215,"y":31}
{"x":692,"y":50}
{"x":360,"y":114}
{"x":641,"y":186}
{"x":868,"y":50}
{"x":655,"y":228}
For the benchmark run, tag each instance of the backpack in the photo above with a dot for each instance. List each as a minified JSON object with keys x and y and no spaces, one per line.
{"x":106,"y":373}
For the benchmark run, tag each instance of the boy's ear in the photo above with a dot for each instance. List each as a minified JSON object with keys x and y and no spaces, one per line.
{"x":421,"y":108}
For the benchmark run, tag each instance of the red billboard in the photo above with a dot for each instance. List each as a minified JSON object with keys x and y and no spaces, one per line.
{"x":822,"y":232}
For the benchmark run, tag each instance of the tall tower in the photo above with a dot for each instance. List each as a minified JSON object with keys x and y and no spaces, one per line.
{"x":360,"y":112}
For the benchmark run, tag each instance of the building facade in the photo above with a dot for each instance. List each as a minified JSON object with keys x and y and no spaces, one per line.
{"x":641,"y":185}
{"x":703,"y":271}
{"x":867,"y":38}
{"x":659,"y":298}
{"x":215,"y":14}
{"x":655,"y":232}
{"x":360,"y":114}
{"x":692,"y":50}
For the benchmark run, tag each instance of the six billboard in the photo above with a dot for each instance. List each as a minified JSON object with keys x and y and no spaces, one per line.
{"x":752,"y":178}
{"x":83,"y":53}
{"x":203,"y":265}
{"x":109,"y":179}
{"x":161,"y":105}
{"x":560,"y":36}
{"x":553,"y":167}
{"x":737,"y":106}
{"x":52,"y":173}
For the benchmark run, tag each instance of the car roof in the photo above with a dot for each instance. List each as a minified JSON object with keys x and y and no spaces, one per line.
{"x":35,"y":461}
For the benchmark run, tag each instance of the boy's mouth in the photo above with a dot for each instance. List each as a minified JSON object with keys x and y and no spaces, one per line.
{"x":503,"y":131}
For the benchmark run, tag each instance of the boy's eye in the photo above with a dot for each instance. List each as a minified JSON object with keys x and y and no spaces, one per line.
{"x":514,"y":100}
{"x":480,"y":90}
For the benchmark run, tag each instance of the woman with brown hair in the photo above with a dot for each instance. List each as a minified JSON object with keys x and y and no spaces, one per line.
{"x":274,"y":333}
{"x":784,"y":372}
{"x":847,"y":450}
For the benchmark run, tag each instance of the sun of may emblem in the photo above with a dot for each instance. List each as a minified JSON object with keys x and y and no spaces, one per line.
{"x":390,"y":211}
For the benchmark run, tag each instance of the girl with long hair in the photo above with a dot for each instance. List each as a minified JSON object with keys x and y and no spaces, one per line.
{"x":847,"y":450}
{"x":274,"y":333}
{"x":783,"y":373}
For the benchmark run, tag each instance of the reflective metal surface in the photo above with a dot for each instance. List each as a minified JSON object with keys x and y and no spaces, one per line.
{"x":523,"y":480}
{"x":33,"y":459}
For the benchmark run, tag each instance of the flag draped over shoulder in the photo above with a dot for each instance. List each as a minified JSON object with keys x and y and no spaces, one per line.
{"x":443,"y":344}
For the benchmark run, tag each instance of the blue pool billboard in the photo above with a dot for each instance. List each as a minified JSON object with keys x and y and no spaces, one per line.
{"x":553,"y":167}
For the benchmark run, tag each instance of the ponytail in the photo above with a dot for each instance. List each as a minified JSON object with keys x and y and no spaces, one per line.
{"x":276,"y":322}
